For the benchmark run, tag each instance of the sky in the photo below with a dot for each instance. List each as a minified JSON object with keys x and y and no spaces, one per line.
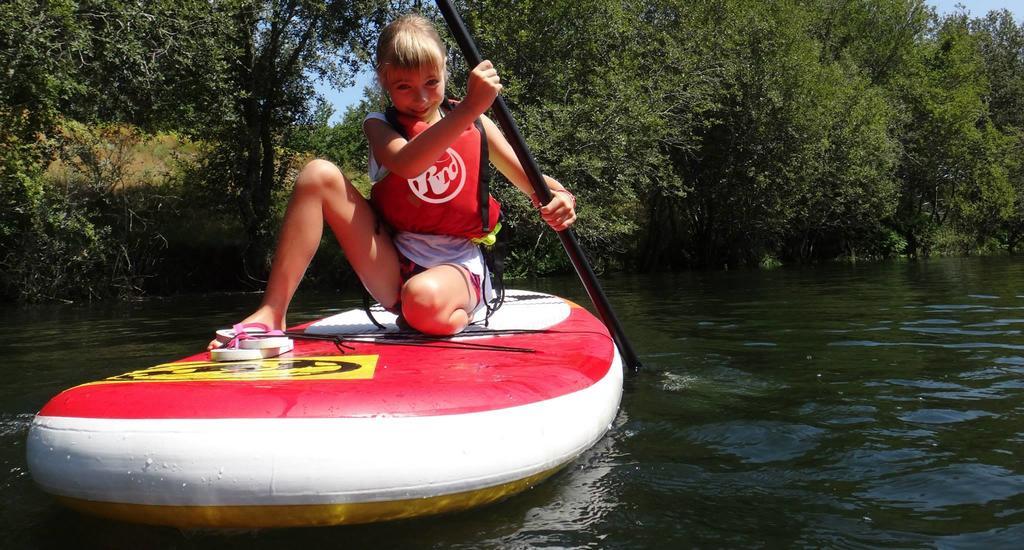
{"x":977,"y":8}
{"x":341,"y":99}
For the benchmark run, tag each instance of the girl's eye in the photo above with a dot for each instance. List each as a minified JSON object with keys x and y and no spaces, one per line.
{"x":433,"y":82}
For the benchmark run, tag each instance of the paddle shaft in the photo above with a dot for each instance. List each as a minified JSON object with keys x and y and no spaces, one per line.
{"x":572,"y":247}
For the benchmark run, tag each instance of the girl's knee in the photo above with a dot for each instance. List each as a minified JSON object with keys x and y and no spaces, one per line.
{"x":320,"y":174}
{"x":424,"y":308}
{"x":421,"y":294}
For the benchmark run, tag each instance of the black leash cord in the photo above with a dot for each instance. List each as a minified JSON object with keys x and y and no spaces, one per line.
{"x":425,"y":341}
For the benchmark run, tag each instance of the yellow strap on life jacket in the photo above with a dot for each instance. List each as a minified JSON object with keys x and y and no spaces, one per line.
{"x":490,"y":238}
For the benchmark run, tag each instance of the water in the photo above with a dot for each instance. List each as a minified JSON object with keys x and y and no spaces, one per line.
{"x":874,"y":405}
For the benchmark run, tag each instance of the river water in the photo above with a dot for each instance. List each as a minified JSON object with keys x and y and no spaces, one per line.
{"x":868,"y":405}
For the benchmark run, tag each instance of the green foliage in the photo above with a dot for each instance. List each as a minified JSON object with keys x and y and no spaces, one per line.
{"x":570,"y":70}
{"x":342,"y":143}
{"x":271,"y":52}
{"x":954,"y":170}
{"x":1001,"y":43}
{"x":710,"y":133}
{"x":93,"y":224}
{"x":61,"y":254}
{"x":880,"y":37}
{"x":795,"y":158}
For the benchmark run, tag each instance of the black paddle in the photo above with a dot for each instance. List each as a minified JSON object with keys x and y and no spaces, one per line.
{"x":568,"y":238}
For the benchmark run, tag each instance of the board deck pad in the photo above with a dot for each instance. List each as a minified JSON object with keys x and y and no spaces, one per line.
{"x":562,"y":348}
{"x":521,"y":310}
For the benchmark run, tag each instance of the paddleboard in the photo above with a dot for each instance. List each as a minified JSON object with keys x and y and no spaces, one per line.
{"x":355,"y":424}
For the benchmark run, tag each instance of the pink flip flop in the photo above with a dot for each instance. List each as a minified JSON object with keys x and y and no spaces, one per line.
{"x":228,"y":334}
{"x":250,"y":341}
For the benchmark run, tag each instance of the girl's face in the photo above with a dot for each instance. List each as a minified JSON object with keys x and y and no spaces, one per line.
{"x":417,"y":92}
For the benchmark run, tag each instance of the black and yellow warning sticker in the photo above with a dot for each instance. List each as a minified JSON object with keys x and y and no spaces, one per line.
{"x":348,"y":367}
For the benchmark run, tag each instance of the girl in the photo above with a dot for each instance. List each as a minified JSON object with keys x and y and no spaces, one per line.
{"x":425,"y":164}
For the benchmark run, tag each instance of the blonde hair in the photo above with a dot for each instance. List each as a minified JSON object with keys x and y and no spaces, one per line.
{"x":409,"y":42}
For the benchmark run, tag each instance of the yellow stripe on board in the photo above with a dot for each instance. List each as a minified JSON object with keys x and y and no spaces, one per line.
{"x":340,"y":367}
{"x":300,"y":515}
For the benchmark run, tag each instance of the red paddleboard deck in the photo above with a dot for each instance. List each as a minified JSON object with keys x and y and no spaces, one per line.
{"x":355,"y":424}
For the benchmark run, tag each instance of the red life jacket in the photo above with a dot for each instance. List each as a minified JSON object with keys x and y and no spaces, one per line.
{"x":450,"y":197}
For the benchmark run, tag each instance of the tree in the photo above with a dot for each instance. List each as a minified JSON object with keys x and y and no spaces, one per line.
{"x":115,"y":62}
{"x":1001,"y":42}
{"x":879,"y":36}
{"x":570,"y":71}
{"x":954,"y":164}
{"x":275,"y":50}
{"x":796,"y":158}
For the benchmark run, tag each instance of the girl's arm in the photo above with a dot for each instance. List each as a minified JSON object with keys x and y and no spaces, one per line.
{"x":409,"y":159}
{"x":560,"y":213}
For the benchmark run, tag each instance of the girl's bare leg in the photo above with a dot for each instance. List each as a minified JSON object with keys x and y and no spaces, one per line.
{"x":322,"y":193}
{"x":439,"y":300}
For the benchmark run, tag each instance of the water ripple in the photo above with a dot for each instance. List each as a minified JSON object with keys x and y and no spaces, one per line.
{"x":998,"y":537}
{"x":974,"y":394}
{"x":998,"y":323}
{"x":958,"y":332}
{"x":931,"y":322}
{"x":759,"y":442}
{"x":943,"y":416}
{"x":873,"y":462}
{"x":677,"y":382}
{"x":840,"y":415}
{"x":966,"y":345}
{"x":940,"y":488}
{"x":14,"y":425}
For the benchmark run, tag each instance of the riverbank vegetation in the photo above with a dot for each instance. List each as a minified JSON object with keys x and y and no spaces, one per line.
{"x":150,"y":147}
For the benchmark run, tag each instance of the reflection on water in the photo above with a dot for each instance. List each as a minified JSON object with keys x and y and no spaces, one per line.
{"x":867,"y":405}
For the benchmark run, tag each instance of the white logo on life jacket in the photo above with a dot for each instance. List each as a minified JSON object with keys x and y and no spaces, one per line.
{"x":442,"y":181}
